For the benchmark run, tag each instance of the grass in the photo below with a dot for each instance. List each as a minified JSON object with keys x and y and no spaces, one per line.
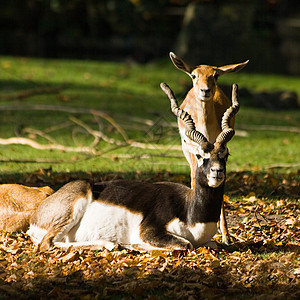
{"x":124,"y":91}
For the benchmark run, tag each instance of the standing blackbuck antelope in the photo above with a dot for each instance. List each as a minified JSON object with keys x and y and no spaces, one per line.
{"x":17,"y":204}
{"x":142,"y":215}
{"x":206,"y":103}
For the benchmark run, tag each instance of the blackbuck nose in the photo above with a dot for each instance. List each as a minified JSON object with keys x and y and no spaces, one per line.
{"x":206,"y":91}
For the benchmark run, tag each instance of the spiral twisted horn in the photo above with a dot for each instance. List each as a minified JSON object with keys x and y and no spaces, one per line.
{"x":191,"y":131}
{"x":227,"y":132}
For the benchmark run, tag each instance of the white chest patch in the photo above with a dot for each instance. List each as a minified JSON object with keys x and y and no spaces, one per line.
{"x":198,"y":234}
{"x":107,"y":222}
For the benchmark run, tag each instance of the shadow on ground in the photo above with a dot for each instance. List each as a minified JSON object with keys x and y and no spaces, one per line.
{"x":263,"y":184}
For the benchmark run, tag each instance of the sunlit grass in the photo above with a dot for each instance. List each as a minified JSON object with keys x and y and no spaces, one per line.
{"x":126,"y":90}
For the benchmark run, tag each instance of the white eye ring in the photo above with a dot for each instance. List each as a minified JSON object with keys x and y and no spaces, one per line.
{"x":201,"y":155}
{"x":200,"y":161}
{"x":204,"y":155}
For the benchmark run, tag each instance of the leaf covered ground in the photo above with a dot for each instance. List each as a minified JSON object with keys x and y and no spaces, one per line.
{"x":263,"y":263}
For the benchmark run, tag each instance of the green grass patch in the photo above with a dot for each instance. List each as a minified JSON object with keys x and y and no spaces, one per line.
{"x":126,"y":91}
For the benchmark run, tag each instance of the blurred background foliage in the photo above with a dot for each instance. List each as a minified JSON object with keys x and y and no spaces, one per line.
{"x":213,"y":31}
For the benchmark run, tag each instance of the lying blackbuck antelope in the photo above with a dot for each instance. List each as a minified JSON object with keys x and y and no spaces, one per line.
{"x":17,"y":204}
{"x":162,"y":215}
{"x":206,"y":103}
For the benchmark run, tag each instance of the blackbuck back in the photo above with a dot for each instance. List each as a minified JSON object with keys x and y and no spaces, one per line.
{"x":206,"y":103}
{"x":17,"y":204}
{"x":141,"y":215}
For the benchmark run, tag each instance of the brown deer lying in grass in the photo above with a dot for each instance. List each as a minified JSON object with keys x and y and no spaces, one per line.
{"x":206,"y":103}
{"x":141,"y":215}
{"x":17,"y":204}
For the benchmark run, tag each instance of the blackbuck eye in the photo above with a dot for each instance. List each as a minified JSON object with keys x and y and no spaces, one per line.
{"x":205,"y":162}
{"x":223,"y":156}
{"x":198,"y":156}
{"x":193,"y":76}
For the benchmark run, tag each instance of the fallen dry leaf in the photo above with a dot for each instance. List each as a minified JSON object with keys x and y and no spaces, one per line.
{"x":263,"y":262}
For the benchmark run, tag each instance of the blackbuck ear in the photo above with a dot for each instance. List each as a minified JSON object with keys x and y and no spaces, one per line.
{"x":223,"y":152}
{"x":230,"y":68}
{"x":180,"y":64}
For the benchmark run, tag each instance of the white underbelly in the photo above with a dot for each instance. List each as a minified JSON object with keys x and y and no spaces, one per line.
{"x":120,"y":226}
{"x":198,"y":234}
{"x":107,"y":222}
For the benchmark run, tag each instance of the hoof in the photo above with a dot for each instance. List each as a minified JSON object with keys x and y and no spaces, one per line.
{"x":211,"y":244}
{"x":226,"y":241}
{"x":43,"y":246}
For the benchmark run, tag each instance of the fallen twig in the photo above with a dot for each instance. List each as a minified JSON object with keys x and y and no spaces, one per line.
{"x":36,"y":145}
{"x":96,"y":134}
{"x":269,"y":128}
{"x":40,"y":133}
{"x":36,"y":160}
{"x":33,"y":92}
{"x":68,"y":109}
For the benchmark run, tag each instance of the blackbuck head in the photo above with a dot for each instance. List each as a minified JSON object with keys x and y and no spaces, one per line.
{"x":204,"y":77}
{"x":211,"y":158}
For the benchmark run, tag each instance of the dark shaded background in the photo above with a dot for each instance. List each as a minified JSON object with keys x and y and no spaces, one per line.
{"x":211,"y":32}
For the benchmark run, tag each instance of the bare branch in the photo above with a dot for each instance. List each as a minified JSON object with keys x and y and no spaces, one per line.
{"x":96,"y":134}
{"x":33,"y":92}
{"x":68,"y":109}
{"x":270,"y":128}
{"x":36,"y":145}
{"x":39,"y":133}
{"x":36,"y":160}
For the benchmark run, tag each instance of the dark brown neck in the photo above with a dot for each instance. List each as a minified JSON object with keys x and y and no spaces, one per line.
{"x":206,"y":202}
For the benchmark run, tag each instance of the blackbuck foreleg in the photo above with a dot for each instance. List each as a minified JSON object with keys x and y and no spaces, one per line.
{"x":56,"y":232}
{"x":223,"y":227}
{"x":161,"y":238}
{"x":47,"y":240}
